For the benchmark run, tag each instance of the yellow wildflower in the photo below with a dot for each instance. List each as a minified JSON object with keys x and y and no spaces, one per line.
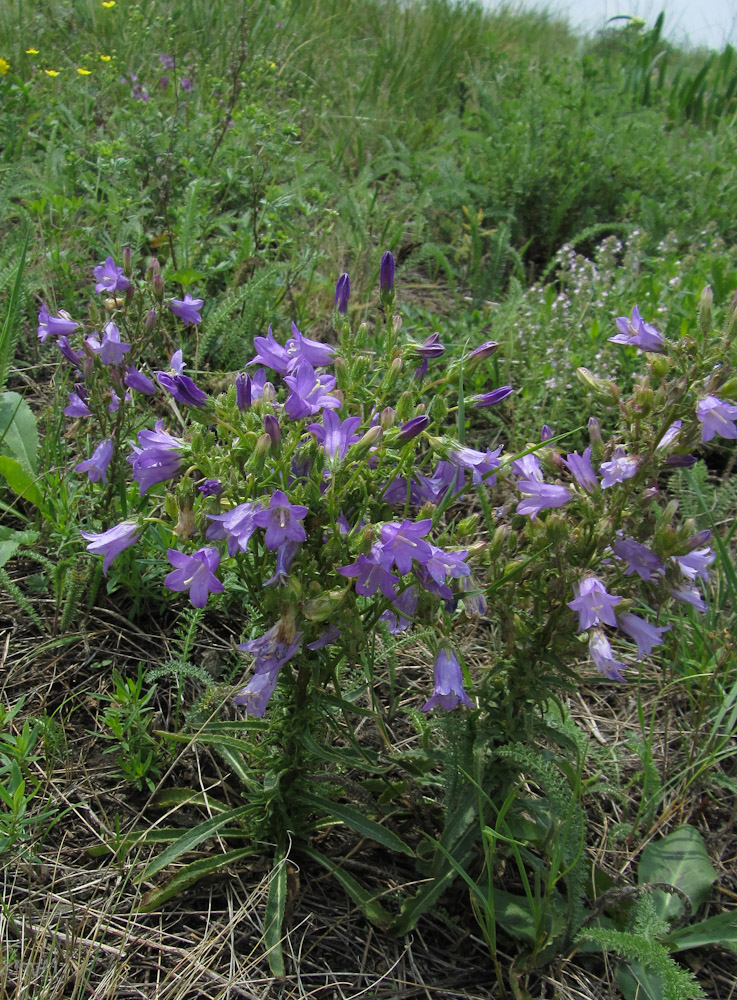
{"x":108,"y":3}
{"x":31,"y":52}
{"x":51,"y":72}
{"x":83,"y":72}
{"x":4,"y":66}
{"x":105,"y":58}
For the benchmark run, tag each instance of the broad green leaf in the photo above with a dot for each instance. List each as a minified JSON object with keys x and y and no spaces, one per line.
{"x":18,"y":431}
{"x":513,"y":914}
{"x":186,"y":276}
{"x":720,"y":930}
{"x":190,"y":874}
{"x":640,"y":983}
{"x":364,"y":899}
{"x":274,"y":915}
{"x":355,"y":819}
{"x":21,"y":481}
{"x":191,"y":839}
{"x":680,"y":859}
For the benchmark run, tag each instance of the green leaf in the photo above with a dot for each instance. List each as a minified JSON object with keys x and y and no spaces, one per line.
{"x":18,"y":431}
{"x":21,"y":482}
{"x":186,"y":276}
{"x":364,"y":899}
{"x":11,"y":324}
{"x":172,"y":798}
{"x":191,"y":839}
{"x":637,"y":982}
{"x":720,"y":930}
{"x":190,"y":874}
{"x":357,"y":821}
{"x":274,"y":915}
{"x":680,"y":859}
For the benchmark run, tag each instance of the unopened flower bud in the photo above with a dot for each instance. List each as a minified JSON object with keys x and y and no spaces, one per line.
{"x":671,"y":509}
{"x":269,"y":393}
{"x":388,"y":417}
{"x":185,"y":527}
{"x":272,"y":428}
{"x":339,"y":395}
{"x":127,"y":262}
{"x":467,"y":526}
{"x":406,"y":407}
{"x":386,"y":273}
{"x":705,"y":306}
{"x":150,"y":322}
{"x":171,"y":506}
{"x":340,"y":368}
{"x":438,"y":408}
{"x":115,"y":302}
{"x":595,"y":431}
{"x":158,"y":287}
{"x":88,"y":367}
{"x":342,"y":294}
{"x":372,"y":436}
{"x":556,"y":528}
{"x":412,"y":428}
{"x":480,"y":354}
{"x":317,"y":609}
{"x":263,"y":444}
{"x":154,"y":267}
{"x":604,"y":389}
{"x":660,"y":365}
{"x":397,"y":323}
{"x":644,"y":399}
{"x":498,"y":541}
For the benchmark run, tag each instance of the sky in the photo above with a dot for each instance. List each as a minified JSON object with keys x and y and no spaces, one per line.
{"x":710,"y":23}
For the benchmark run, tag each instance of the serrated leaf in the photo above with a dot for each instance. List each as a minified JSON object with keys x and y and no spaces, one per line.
{"x":720,"y":930}
{"x":21,"y":481}
{"x":364,"y":899}
{"x":355,"y":819}
{"x":191,"y":839}
{"x":274,"y":916}
{"x":18,"y":430}
{"x":189,"y":875}
{"x":680,"y":860}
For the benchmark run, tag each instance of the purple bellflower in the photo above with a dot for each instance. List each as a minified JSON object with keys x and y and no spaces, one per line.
{"x":448,"y":691}
{"x":695,"y":563}
{"x":211,"y":488}
{"x":411,"y":428}
{"x":135,"y":379}
{"x":284,"y":558}
{"x":195,"y":573}
{"x":593,"y":604}
{"x":528,"y":467}
{"x":431,"y":347}
{"x":670,"y":436}
{"x":110,"y":278}
{"x":78,"y":403}
{"x":112,"y":542}
{"x":478,"y":462}
{"x":270,"y":353}
{"x":644,"y":634}
{"x":336,"y":435}
{"x":96,"y":466}
{"x":582,"y":471}
{"x":281,"y":521}
{"x":493,"y":397}
{"x":73,"y":357}
{"x":716,"y":417}
{"x":111,"y":349}
{"x":271,"y":651}
{"x":342,"y":294}
{"x":539,"y":496}
{"x":309,"y":392}
{"x":621,"y":467}
{"x":181,"y":387}
{"x":330,"y":634}
{"x":57,"y":326}
{"x":300,"y":348}
{"x":639,"y":558}
{"x":635,"y":332}
{"x":401,"y":543}
{"x":371,"y":574}
{"x":237,"y":526}
{"x":689,"y":595}
{"x":404,"y":606}
{"x":603,"y":657}
{"x":157,"y":459}
{"x":187,"y":309}
{"x":480,"y":353}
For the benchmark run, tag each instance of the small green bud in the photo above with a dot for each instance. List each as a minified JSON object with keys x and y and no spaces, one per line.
{"x":317,"y":609}
{"x":499,"y":540}
{"x":608,"y":391}
{"x":158,"y":287}
{"x":438,"y":407}
{"x":467,"y":526}
{"x":171,"y":506}
{"x":405,"y":407}
{"x":388,"y":417}
{"x":340,"y":367}
{"x":397,"y":323}
{"x":660,"y":365}
{"x":556,"y":528}
{"x":372,"y":436}
{"x":728,"y":389}
{"x":644,"y":398}
{"x":705,"y":306}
